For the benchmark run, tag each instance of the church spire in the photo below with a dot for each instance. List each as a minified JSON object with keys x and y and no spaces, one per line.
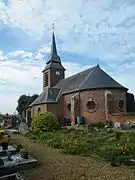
{"x":53,"y":57}
{"x":53,"y":46}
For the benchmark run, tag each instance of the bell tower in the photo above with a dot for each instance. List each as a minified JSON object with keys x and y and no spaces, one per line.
{"x":54,"y":71}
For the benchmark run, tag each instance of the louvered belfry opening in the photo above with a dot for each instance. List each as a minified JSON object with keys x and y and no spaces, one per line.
{"x":46,"y":79}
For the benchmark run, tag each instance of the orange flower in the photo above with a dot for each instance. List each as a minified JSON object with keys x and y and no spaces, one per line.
{"x":73,"y":148}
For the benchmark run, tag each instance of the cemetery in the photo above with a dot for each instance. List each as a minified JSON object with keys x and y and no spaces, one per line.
{"x":14,"y":158}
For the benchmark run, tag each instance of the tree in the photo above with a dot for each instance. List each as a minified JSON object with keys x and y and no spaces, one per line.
{"x":24,"y":101}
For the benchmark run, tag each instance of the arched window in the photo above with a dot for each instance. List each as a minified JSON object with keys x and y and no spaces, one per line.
{"x":39,"y":110}
{"x":69,"y":107}
{"x":121,"y":104}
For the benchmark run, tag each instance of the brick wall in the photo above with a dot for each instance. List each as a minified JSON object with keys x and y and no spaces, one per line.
{"x":57,"y":109}
{"x":117,"y":95}
{"x":99,"y":97}
{"x":98,"y":114}
{"x":42,"y":107}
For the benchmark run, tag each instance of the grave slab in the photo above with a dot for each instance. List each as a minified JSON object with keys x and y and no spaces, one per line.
{"x":17,"y":164}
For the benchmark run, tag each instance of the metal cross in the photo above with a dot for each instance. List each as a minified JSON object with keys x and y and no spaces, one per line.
{"x":97,"y":60}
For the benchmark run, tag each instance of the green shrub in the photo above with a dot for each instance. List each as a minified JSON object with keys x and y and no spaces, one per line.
{"x":45,"y":122}
{"x":92,"y":126}
{"x":100,"y":125}
{"x":109,"y":130}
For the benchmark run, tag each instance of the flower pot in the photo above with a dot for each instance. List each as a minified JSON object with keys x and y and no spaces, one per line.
{"x":4,"y":146}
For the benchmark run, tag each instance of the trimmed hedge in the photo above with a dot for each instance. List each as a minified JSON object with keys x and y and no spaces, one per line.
{"x":45,"y":122}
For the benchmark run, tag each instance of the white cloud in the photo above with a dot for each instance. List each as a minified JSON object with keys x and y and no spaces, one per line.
{"x":89,"y":26}
{"x":8,"y":103}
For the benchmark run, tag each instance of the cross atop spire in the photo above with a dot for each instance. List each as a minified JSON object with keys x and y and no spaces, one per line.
{"x":53,"y":26}
{"x":97,"y":61}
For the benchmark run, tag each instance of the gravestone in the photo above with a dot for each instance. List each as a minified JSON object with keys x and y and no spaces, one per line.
{"x":16,"y":163}
{"x":23,"y":128}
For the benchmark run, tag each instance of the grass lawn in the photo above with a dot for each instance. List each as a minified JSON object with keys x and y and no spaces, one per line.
{"x":54,"y":165}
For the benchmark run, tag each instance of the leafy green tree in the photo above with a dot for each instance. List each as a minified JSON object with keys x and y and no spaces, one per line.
{"x":24,"y":101}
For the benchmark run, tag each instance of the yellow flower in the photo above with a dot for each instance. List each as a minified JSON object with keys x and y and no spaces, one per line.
{"x":76,"y":141}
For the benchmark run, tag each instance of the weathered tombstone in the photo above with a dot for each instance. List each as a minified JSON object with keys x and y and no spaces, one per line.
{"x":23,"y":128}
{"x":117,"y":125}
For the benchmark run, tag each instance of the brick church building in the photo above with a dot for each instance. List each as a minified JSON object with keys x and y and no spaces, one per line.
{"x":92,"y":93}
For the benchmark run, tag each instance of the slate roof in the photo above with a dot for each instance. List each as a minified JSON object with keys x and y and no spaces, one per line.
{"x":92,"y":78}
{"x":49,"y":95}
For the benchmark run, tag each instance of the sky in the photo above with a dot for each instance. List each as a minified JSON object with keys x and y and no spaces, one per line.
{"x":87,"y":32}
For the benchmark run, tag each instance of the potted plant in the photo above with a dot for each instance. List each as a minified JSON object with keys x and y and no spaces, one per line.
{"x":4,"y":140}
{"x":19,"y":147}
{"x":24,"y":153}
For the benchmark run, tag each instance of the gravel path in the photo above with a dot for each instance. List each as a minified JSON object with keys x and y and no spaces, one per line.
{"x":56,"y":166}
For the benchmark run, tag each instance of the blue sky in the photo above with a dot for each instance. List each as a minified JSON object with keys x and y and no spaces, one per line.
{"x":86,"y":30}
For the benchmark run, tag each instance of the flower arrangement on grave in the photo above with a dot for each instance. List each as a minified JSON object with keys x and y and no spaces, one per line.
{"x":19,"y":147}
{"x":24,"y":153}
{"x":4,"y":140}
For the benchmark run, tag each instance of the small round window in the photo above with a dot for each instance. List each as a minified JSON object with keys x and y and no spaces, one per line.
{"x":69,"y":106}
{"x":121,"y":104}
{"x":91,"y":105}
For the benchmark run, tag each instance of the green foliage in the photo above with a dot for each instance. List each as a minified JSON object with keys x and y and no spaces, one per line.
{"x":92,"y":126}
{"x":73,"y":146}
{"x":109,"y":130}
{"x":100,"y":125}
{"x":24,"y":153}
{"x":24,"y":101}
{"x":55,"y":141}
{"x":117,"y":135}
{"x":45,"y":122}
{"x":115,"y":147}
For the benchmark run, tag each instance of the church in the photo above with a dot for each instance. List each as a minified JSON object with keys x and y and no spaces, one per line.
{"x":91,"y":94}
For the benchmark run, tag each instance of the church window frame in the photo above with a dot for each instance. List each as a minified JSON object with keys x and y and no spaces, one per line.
{"x":121,"y":104}
{"x":39,"y":110}
{"x":91,"y":105}
{"x":69,"y":107}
